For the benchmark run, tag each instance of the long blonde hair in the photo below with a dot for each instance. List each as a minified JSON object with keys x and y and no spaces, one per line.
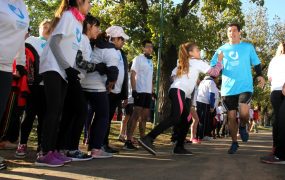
{"x":280,"y":49}
{"x":183,"y":58}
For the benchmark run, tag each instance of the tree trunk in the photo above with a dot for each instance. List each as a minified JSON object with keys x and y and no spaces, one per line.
{"x":168,"y":63}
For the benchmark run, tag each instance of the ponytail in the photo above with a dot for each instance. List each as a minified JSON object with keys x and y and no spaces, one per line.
{"x":64,"y":6}
{"x":183,"y":58}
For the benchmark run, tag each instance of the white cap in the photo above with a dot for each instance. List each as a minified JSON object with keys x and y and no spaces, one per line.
{"x":116,"y":31}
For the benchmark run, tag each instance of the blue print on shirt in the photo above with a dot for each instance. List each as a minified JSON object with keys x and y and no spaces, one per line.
{"x":78,"y":35}
{"x":16,"y":11}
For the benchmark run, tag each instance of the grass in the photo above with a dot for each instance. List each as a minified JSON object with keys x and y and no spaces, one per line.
{"x":113,"y":137}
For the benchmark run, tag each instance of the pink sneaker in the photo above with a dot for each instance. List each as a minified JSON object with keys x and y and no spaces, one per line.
{"x":61,"y":157}
{"x":48,"y":160}
{"x":21,"y":151}
{"x":196,"y":141}
{"x":99,"y":153}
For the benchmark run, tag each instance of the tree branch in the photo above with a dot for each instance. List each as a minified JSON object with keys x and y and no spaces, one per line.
{"x":186,"y":6}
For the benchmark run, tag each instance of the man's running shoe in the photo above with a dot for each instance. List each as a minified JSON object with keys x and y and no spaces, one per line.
{"x":233,"y":149}
{"x":243,"y":134}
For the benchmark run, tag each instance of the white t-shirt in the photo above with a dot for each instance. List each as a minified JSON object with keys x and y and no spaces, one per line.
{"x":38,"y":43}
{"x":71,"y":29}
{"x":14,"y":23}
{"x":94,"y":82}
{"x":144,"y":71}
{"x":119,"y":83}
{"x":206,"y":87}
{"x":276,"y":71}
{"x":187,"y":82}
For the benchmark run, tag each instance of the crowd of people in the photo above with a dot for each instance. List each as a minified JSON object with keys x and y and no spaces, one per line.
{"x":73,"y":77}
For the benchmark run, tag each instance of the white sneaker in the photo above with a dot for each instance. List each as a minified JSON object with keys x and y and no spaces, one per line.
{"x":99,"y":153}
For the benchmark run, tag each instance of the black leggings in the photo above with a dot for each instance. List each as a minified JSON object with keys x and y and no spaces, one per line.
{"x":181,"y":129}
{"x":278,"y":103}
{"x":5,"y":88}
{"x":55,"y":90}
{"x":99,"y":104}
{"x":114,"y":101}
{"x":35,"y":107}
{"x":73,"y":117}
{"x":204,"y":126}
{"x":177,"y":98}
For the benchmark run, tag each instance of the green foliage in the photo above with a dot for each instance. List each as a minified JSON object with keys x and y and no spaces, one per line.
{"x":40,"y":10}
{"x":215,"y":16}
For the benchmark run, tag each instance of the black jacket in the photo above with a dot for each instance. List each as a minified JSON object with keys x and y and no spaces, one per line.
{"x":124,"y":92}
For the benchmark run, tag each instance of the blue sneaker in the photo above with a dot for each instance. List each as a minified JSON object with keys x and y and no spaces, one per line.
{"x":233,"y":149}
{"x":243,"y":134}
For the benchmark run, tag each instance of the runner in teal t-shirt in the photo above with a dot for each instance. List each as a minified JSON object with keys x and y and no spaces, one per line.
{"x":237,"y":83}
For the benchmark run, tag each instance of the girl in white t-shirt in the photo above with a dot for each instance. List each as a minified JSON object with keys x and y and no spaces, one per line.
{"x":56,"y":66}
{"x":36,"y":98}
{"x":188,"y":69}
{"x":14,"y":23}
{"x":276,"y":76}
{"x":75,"y":105}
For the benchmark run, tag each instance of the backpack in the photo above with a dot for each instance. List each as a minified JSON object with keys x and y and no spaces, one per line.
{"x":32,"y":65}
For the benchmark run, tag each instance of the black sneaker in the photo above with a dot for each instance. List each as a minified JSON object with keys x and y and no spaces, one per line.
{"x":181,"y":151}
{"x":272,"y":160}
{"x":3,"y":165}
{"x":108,"y":149}
{"x":129,"y":146}
{"x":147,"y":143}
{"x":78,"y":155}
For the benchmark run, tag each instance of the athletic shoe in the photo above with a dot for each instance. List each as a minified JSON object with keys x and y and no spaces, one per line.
{"x":181,"y":151}
{"x":21,"y":151}
{"x":78,"y":155}
{"x":272,"y":160}
{"x":243,"y":134}
{"x":147,"y":143}
{"x":196,"y":141}
{"x":234,"y":147}
{"x":61,"y":157}
{"x":8,"y":145}
{"x":2,"y":163}
{"x":100,"y":153}
{"x":49,"y":160}
{"x":129,"y":146}
{"x":108,"y":149}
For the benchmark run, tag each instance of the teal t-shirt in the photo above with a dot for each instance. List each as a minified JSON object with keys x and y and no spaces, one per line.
{"x":237,"y":63}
